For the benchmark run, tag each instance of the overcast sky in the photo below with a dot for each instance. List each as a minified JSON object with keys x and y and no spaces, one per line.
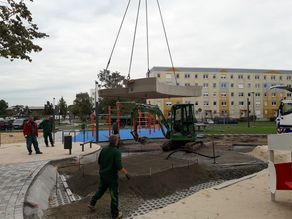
{"x":202,"y":33}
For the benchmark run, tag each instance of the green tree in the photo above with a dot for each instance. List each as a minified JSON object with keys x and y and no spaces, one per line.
{"x":110,"y":79}
{"x":63,"y":107}
{"x":17,"y":31}
{"x":49,"y":109}
{"x":82,"y":105}
{"x":3,"y":107}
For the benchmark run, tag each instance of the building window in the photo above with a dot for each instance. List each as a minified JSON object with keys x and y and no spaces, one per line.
{"x":177,"y":75}
{"x":240,"y":76}
{"x":257,"y":77}
{"x":223,"y":103}
{"x":248,"y":77}
{"x":288,"y":94}
{"x":205,"y":85}
{"x":187,"y":75}
{"x":223,"y":76}
{"x":168,"y":103}
{"x":214,"y":103}
{"x":214,"y":94}
{"x":196,"y":103}
{"x":240,"y":86}
{"x":223,"y":94}
{"x":257,"y":85}
{"x":265,"y":85}
{"x":214,"y":76}
{"x":280,"y":77}
{"x":274,"y":103}
{"x":257,"y":94}
{"x":223,"y":85}
{"x":232,"y":103}
{"x":241,"y":94}
{"x":206,"y":103}
{"x":232,"y":94}
{"x":266,"y":112}
{"x":205,"y":94}
{"x":187,"y":84}
{"x":205,"y":76}
{"x":196,"y":76}
{"x":288,"y":77}
{"x":265,"y":77}
{"x":231,"y":85}
{"x":214,"y":85}
{"x":241,"y":103}
{"x":273,"y":77}
{"x":273,"y":94}
{"x":158,"y":75}
{"x":231,"y":76}
{"x":258,"y":103}
{"x":249,"y":85}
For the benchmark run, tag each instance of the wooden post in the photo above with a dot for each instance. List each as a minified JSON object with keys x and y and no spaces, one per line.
{"x":109,"y":121}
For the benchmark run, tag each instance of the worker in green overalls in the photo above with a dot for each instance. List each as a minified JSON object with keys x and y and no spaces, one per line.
{"x":110,"y":164}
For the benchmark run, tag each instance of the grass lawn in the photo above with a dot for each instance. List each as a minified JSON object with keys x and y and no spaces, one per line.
{"x":241,"y":128}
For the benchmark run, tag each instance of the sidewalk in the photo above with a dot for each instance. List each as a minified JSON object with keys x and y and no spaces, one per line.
{"x":18,"y":169}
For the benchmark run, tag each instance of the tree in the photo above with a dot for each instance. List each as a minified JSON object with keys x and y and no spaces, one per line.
{"x":21,"y":111}
{"x":110,"y":79}
{"x":49,"y":109}
{"x":82,"y":105}
{"x":3,"y":107}
{"x":63,"y":107}
{"x":17,"y":31}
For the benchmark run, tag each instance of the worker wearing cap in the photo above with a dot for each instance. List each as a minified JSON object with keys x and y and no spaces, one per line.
{"x":109,"y":165}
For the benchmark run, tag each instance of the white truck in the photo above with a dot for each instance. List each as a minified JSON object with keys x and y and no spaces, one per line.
{"x":284,"y":114}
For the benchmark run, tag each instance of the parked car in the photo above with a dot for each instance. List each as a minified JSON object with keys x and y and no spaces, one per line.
{"x":6,"y":124}
{"x":18,"y":123}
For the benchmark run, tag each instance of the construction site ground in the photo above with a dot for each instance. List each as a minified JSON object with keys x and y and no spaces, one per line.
{"x":155,"y":177}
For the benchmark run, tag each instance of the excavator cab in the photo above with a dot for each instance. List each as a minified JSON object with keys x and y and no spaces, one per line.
{"x":182,"y":123}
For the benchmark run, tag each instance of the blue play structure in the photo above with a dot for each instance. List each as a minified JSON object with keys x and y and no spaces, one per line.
{"x":125,"y":134}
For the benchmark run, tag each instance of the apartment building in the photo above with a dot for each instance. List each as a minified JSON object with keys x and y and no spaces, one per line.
{"x":226,"y":92}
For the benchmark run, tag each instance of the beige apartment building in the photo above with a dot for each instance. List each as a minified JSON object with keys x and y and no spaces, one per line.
{"x":225,"y":90}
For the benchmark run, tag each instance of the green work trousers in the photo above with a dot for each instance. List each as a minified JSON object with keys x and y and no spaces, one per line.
{"x":32,"y":140}
{"x":113,"y":187}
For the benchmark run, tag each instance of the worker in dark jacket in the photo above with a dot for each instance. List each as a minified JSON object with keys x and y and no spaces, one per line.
{"x":30,"y":132}
{"x":47,"y":127}
{"x":109,"y":165}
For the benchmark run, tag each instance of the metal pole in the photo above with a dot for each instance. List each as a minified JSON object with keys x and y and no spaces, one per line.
{"x":96,"y":116}
{"x":248,"y":125}
{"x":253,"y":108}
{"x":54,"y":119}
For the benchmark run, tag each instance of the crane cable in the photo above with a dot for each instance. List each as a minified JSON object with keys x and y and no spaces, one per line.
{"x":147,"y":38}
{"x":170,"y":56}
{"x":134,"y":39}
{"x":108,"y":63}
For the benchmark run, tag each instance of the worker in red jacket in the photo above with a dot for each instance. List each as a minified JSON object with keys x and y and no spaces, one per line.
{"x":30,"y":132}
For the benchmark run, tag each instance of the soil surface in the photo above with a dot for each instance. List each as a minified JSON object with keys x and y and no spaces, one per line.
{"x":13,"y":137}
{"x":154,"y":176}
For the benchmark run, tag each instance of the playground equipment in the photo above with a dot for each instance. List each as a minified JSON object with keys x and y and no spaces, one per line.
{"x":280,"y":173}
{"x":284,"y":114}
{"x":179,"y":128}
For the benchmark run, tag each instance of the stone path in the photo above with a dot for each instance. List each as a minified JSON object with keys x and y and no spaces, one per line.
{"x":14,"y":182}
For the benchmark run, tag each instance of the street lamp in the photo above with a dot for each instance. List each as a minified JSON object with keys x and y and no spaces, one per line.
{"x":96,"y":112}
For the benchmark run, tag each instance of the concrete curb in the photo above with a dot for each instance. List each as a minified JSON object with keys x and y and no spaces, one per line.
{"x":37,"y":195}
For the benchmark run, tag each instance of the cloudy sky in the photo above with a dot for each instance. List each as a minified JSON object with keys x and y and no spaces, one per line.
{"x":202,"y":33}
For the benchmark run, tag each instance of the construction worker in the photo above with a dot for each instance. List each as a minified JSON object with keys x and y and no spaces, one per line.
{"x":47,"y":127}
{"x":109,"y":165}
{"x":30,"y":132}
